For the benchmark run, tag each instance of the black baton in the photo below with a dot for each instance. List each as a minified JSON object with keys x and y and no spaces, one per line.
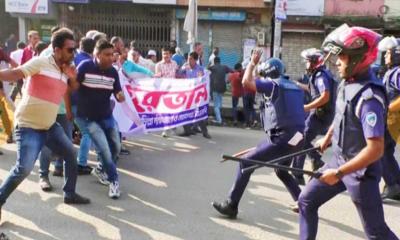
{"x":275,"y":166}
{"x":283,"y":158}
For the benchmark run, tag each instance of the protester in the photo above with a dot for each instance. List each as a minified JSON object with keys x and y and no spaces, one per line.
{"x":98,"y":80}
{"x":166,"y":68}
{"x":235,"y":80}
{"x":218,"y":86}
{"x":36,"y":115}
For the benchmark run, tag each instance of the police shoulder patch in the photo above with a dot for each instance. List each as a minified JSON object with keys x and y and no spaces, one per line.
{"x":371,"y":119}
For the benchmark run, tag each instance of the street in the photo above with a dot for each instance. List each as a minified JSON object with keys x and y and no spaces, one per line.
{"x":167,"y":186}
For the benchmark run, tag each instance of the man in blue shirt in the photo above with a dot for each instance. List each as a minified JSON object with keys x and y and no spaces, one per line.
{"x":283,"y":120}
{"x":178,"y":57}
{"x":391,"y":80}
{"x":85,"y":52}
{"x":322,"y":88}
{"x":86,"y":48}
{"x":98,"y":80}
{"x":193,"y":70}
{"x":357,"y":137}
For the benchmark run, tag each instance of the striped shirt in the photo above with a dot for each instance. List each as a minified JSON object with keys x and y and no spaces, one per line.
{"x":45,"y":89}
{"x":97,"y":85}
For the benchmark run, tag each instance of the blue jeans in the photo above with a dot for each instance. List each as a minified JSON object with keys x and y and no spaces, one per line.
{"x":217,"y":98}
{"x":105,"y":136}
{"x":46,"y":155}
{"x":29,"y":143}
{"x":85,"y":144}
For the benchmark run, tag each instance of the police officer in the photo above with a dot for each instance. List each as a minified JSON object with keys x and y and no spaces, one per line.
{"x":357,"y":137}
{"x":391,"y":80}
{"x":283,"y":121}
{"x":322,"y":88}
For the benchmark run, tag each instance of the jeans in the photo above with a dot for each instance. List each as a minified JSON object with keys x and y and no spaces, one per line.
{"x":235,"y":102}
{"x":86,"y":142}
{"x":217,"y":106}
{"x":248,"y":105}
{"x":105,"y":136}
{"x":29,"y":143}
{"x":46,"y":155}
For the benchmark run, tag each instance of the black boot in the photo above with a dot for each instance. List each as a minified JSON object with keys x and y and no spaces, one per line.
{"x":391,"y":192}
{"x":226,"y":208}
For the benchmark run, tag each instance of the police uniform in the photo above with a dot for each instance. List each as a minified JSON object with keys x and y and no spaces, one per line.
{"x":282,"y":117}
{"x":319,"y":120}
{"x":360,"y":114}
{"x":390,"y":167}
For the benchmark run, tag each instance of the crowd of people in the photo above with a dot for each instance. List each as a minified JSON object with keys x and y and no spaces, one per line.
{"x":84,"y":73}
{"x":82,"y":76}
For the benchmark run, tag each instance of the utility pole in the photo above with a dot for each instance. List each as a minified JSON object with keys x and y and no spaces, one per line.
{"x":279,"y":14}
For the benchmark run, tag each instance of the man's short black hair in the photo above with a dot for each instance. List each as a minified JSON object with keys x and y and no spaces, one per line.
{"x":238,"y":66}
{"x":21,"y":45}
{"x":87,"y":45}
{"x":103,"y":44}
{"x":166,"y":49}
{"x":217,"y":60}
{"x":59,"y":37}
{"x":194,"y":55}
{"x":40,"y":46}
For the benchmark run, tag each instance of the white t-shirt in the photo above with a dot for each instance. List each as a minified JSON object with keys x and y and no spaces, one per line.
{"x":17,"y":55}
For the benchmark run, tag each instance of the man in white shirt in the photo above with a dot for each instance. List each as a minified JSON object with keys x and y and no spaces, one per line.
{"x":17,"y":54}
{"x":214,"y":54}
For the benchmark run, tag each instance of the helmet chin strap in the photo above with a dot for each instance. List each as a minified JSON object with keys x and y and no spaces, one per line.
{"x":353,"y":62}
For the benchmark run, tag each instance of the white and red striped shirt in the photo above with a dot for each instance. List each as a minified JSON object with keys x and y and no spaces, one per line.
{"x":45,"y":89}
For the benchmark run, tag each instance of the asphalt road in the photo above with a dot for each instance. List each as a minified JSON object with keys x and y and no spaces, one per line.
{"x":167,"y":186}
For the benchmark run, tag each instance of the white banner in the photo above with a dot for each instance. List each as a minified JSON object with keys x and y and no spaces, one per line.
{"x":27,"y":6}
{"x":154,"y":104}
{"x":305,"y":7}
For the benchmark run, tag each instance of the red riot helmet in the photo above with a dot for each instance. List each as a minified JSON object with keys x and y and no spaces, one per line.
{"x":359,"y":43}
{"x":314,"y":57}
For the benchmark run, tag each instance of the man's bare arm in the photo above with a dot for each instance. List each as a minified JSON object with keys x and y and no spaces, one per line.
{"x":11,"y":75}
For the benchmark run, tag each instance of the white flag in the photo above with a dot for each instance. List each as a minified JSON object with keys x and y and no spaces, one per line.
{"x":190,"y":24}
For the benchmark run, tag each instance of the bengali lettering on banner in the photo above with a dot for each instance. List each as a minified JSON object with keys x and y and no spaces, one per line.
{"x":154,"y":104}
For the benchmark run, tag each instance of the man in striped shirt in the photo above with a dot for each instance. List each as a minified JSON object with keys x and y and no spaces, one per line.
{"x":47,"y":81}
{"x":98,"y":80}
